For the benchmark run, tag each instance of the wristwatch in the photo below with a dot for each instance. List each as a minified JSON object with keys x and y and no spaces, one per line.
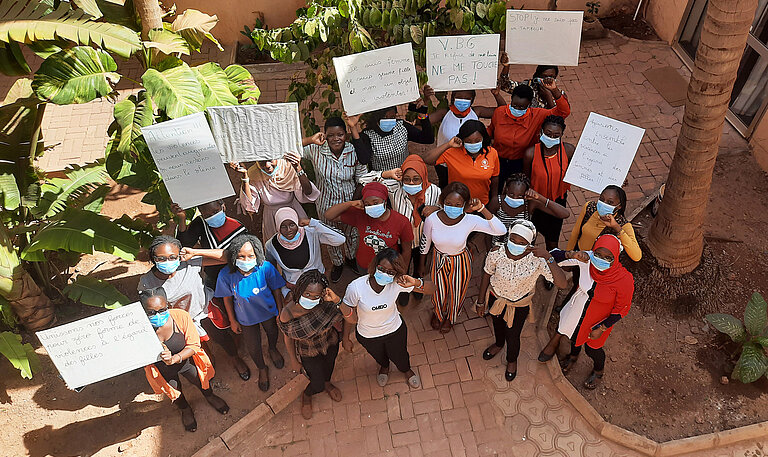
{"x":302,"y":173}
{"x":551,"y":260}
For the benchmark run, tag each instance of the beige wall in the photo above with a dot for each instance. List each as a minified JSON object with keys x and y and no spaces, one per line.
{"x":665,"y":17}
{"x":759,"y":143}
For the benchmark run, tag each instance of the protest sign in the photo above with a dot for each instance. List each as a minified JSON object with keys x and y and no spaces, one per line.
{"x":187,"y":159}
{"x":377,"y":79}
{"x":543,"y":37}
{"x":256,"y":132}
{"x":102,"y":346}
{"x":462,"y":62}
{"x":604,"y":154}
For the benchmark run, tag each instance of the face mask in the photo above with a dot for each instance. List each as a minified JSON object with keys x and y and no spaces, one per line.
{"x":453,"y":211}
{"x":168,"y":267}
{"x":473,"y":148}
{"x":412,"y":189}
{"x":517,"y":112}
{"x":277,"y":165}
{"x":217,"y":220}
{"x":295,"y":237}
{"x":308,"y":303}
{"x":382,"y":278}
{"x":516,"y":249}
{"x":386,"y":125}
{"x":604,"y":209}
{"x":245,"y":265}
{"x":598,"y":263}
{"x":462,"y":104}
{"x":159,"y":319}
{"x":376,"y":211}
{"x":549,"y":141}
{"x":514,"y":202}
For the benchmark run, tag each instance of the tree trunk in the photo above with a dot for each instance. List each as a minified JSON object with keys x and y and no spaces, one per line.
{"x":676,"y":237}
{"x":150,"y":14}
{"x":30,"y":304}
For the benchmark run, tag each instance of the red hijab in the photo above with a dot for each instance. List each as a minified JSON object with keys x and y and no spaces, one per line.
{"x":616,"y":283}
{"x":417,"y":163}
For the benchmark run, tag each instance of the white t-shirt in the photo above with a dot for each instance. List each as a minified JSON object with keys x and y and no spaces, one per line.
{"x":451,"y":124}
{"x":377,"y":314}
{"x":452,"y":239}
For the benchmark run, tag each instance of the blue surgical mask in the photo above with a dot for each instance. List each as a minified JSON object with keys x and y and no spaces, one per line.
{"x":217,"y":220}
{"x":514,"y":202}
{"x":604,"y":209}
{"x":277,"y":165}
{"x":386,"y":125}
{"x":453,"y":211}
{"x":168,"y":267}
{"x":382,"y":278}
{"x":308,"y":303}
{"x":376,"y":211}
{"x":473,"y":148}
{"x":412,"y":189}
{"x":516,"y":249}
{"x":245,"y":265}
{"x":598,"y":263}
{"x":517,"y":112}
{"x":549,"y":141}
{"x":462,"y":104}
{"x":295,"y":237}
{"x":159,"y":319}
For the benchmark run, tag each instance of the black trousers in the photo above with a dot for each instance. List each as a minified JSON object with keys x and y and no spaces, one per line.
{"x":392,"y":347}
{"x":222,"y":337}
{"x":319,"y":369}
{"x":510,"y":335}
{"x":172,"y":375}
{"x":252,"y":339}
{"x":597,"y":355}
{"x":506,"y":169}
{"x":550,"y":226}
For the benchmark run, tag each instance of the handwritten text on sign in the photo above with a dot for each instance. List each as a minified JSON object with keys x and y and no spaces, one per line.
{"x":544,"y":37}
{"x":604,"y":154}
{"x":102,"y":346}
{"x":187,"y":159}
{"x":462,"y":62}
{"x":377,"y":79}
{"x":256,"y":132}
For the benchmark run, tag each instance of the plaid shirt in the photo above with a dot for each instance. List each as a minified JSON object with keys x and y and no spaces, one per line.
{"x":314,"y":332}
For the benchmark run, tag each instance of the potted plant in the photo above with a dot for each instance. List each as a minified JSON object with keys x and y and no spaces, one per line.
{"x":591,"y":28}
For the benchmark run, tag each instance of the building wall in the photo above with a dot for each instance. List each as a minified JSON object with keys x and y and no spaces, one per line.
{"x":759,"y":143}
{"x":665,"y":17}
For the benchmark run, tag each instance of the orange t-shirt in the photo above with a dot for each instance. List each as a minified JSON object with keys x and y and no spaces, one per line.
{"x":476,"y":174}
{"x":547,"y":173}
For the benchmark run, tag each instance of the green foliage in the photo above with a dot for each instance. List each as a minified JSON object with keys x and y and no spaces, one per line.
{"x":77,"y":75}
{"x":752,"y":336}
{"x":95,"y":292}
{"x":21,"y":356}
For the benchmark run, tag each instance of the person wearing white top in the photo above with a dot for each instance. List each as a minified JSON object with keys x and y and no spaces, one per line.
{"x":370,"y":303}
{"x":448,"y":230}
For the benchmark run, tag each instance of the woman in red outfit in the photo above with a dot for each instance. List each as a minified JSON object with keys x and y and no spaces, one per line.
{"x":610,"y":300}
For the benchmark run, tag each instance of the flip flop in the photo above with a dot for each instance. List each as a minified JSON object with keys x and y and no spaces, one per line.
{"x":593,"y":380}
{"x":381,"y":379}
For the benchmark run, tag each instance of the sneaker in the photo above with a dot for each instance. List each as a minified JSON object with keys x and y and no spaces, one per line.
{"x":336,"y":273}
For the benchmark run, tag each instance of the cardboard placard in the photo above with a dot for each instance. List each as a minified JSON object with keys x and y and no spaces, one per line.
{"x":462,"y":62}
{"x":544,"y":37}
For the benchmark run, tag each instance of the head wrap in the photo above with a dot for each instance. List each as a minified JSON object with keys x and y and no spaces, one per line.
{"x":615,"y":284}
{"x":524,"y":228}
{"x":283,"y":214}
{"x":375,"y":189}
{"x":416,"y":163}
{"x":284,"y":178}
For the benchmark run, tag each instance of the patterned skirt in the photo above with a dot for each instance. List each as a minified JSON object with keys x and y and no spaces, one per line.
{"x":451,"y":275}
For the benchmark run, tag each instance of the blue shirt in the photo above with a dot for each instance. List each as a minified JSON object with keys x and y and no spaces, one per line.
{"x":253,"y":299}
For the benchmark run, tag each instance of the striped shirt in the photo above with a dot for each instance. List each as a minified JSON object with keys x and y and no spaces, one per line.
{"x":507,"y":220}
{"x":336,"y":177}
{"x":390,"y":150}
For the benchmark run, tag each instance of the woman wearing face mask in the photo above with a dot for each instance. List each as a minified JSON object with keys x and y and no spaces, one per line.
{"x":545,"y":163}
{"x":542,"y":98}
{"x":311,"y":328}
{"x":605,"y":216}
{"x":512,"y":272}
{"x":389,"y":137}
{"x":449,"y":229}
{"x":369,"y":306}
{"x":275,"y":184}
{"x":471,"y":160}
{"x":379,"y":227}
{"x":182,"y":356}
{"x":295,"y":248}
{"x":251,"y":290}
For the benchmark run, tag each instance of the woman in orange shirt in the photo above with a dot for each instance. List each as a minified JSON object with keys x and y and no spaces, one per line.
{"x":471,"y":160}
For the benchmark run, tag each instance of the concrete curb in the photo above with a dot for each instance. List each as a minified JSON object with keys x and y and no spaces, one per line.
{"x":640,"y":443}
{"x":240,"y":430}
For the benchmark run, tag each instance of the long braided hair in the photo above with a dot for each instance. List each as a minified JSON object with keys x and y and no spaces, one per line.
{"x":308,"y":278}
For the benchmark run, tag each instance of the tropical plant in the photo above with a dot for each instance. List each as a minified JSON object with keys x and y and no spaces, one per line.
{"x":752,"y":337}
{"x":329,"y":28}
{"x":593,"y":8}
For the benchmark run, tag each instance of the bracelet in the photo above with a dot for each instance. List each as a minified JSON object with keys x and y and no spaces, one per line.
{"x":246,"y":179}
{"x":546,"y":204}
{"x":302,"y":173}
{"x":421,"y":286}
{"x":350,"y":312}
{"x":422,"y":116}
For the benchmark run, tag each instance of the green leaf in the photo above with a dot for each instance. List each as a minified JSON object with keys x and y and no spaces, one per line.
{"x":144,"y":232}
{"x":56,"y":192}
{"x":728,"y":325}
{"x":6,"y":313}
{"x":215,"y":85}
{"x":131,"y":115}
{"x":90,"y":7}
{"x":11,"y":197}
{"x":21,"y":88}
{"x":95,"y":292}
{"x":76,"y":75}
{"x":416,"y":34}
{"x":195,"y":27}
{"x":21,"y":356}
{"x":167,"y":42}
{"x":751,"y":365}
{"x":756,"y":314}
{"x":46,"y":48}
{"x":12,"y":61}
{"x":761,"y":340}
{"x":175,"y":90}
{"x":242,"y":85}
{"x":94,"y":202}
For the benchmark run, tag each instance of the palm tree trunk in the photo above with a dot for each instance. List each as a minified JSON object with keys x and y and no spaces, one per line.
{"x":676,"y":237}
{"x":150,"y":14}
{"x":30,"y":304}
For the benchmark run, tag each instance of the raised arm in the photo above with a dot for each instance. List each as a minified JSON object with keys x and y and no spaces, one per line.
{"x":334,"y":212}
{"x":422,"y":134}
{"x":434,"y":154}
{"x":540,"y":203}
{"x":210,"y":256}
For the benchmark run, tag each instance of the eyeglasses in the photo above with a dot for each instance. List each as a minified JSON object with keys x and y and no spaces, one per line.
{"x":152,"y":312}
{"x":171,"y":258}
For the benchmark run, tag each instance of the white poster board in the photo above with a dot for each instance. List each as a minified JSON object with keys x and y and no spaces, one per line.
{"x":377,"y":79}
{"x":187,"y":159}
{"x":604,"y":154}
{"x":102,"y":346}
{"x":543,"y":37}
{"x":256,"y":132}
{"x":462,"y":62}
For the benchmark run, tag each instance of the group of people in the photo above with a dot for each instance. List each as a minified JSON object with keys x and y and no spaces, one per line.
{"x":403,"y":236}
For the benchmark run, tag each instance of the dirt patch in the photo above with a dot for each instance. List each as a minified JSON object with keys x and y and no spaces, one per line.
{"x":624,"y":24}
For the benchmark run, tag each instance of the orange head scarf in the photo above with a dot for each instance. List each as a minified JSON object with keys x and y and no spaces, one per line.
{"x":417,"y":164}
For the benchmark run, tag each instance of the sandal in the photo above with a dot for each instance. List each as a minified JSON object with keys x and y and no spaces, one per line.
{"x":188,"y":419}
{"x":333,"y":392}
{"x":218,"y":403}
{"x":446,"y":326}
{"x":277,"y":358}
{"x":306,"y":406}
{"x":489,"y":353}
{"x":567,"y":363}
{"x":435,"y":322}
{"x":264,"y":379}
{"x":593,"y":380}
